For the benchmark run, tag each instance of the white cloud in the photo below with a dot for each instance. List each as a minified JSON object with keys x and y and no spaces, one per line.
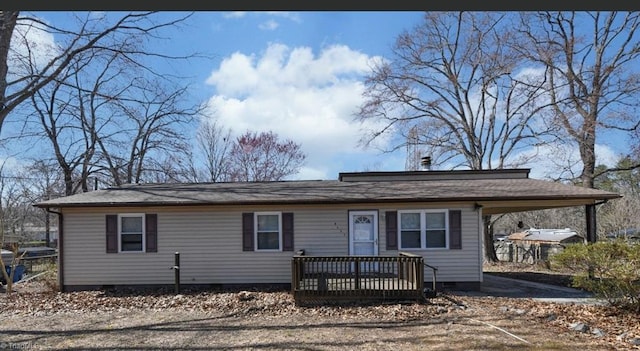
{"x":10,"y":163}
{"x":309,"y":173}
{"x":307,"y":98}
{"x":30,"y":46}
{"x":268,"y":25}
{"x":235,"y":14}
{"x":293,"y":16}
{"x":97,"y":14}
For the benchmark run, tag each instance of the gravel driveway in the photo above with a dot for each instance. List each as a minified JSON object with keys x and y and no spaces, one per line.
{"x":515,"y":288}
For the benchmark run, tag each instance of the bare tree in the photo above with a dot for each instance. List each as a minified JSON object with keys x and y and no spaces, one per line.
{"x":214,"y":142}
{"x":590,"y":60}
{"x":614,"y":216}
{"x":110,"y":116}
{"x":8,"y":20}
{"x":12,"y":218}
{"x":172,"y":168}
{"x":455,"y":89}
{"x":23,"y":72}
{"x":42,"y":180}
{"x":153,"y":118}
{"x":262,"y":157}
{"x":61,"y":128}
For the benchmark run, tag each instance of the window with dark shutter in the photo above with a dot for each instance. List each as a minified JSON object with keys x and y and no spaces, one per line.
{"x":151,"y":232}
{"x":112,"y":233}
{"x":391,"y":220}
{"x":287,"y":231}
{"x":455,"y":229}
{"x":247,"y":231}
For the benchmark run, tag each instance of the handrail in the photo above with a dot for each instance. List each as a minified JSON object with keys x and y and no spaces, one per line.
{"x":408,"y":254}
{"x":28,"y":258}
{"x":434,"y":272}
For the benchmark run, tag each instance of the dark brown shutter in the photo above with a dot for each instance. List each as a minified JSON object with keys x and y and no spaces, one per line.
{"x":247,"y":231}
{"x":391,"y":220}
{"x":151,"y":228}
{"x":455,"y":229}
{"x":287,"y":231}
{"x":112,"y":233}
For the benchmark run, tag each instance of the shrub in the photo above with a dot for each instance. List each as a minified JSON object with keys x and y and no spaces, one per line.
{"x":608,"y":269}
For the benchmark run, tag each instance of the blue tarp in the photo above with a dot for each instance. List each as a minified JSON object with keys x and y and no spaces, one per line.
{"x":16,"y":277}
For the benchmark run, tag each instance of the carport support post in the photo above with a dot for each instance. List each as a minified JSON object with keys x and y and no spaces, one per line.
{"x":592,"y":237}
{"x":176,"y":270}
{"x":590,"y":211}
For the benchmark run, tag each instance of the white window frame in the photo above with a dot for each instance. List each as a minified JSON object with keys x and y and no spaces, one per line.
{"x":423,"y":229}
{"x":255,"y":230}
{"x":130,"y":215}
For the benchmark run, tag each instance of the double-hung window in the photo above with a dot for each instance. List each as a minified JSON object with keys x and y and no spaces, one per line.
{"x":268,"y":231}
{"x":131,"y":232}
{"x":423,"y":229}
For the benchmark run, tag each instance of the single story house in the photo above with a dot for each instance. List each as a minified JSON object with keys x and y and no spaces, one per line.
{"x":246,"y":233}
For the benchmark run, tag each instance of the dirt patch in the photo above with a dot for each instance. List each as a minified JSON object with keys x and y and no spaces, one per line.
{"x":36,"y":319}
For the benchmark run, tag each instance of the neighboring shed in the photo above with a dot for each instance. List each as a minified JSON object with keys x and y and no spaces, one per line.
{"x":547,"y":236}
{"x":534,"y":245}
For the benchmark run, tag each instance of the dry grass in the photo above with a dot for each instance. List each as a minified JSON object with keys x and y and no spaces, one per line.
{"x":39,"y":320}
{"x":182,"y":330}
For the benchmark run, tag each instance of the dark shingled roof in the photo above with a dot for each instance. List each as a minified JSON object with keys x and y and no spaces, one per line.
{"x":329,"y":191}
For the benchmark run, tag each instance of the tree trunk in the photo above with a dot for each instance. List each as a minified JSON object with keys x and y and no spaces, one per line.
{"x":489,"y":249}
{"x":588,"y":155}
{"x":8,"y":21}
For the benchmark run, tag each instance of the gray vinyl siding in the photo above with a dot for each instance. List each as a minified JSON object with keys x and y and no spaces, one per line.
{"x":209,"y":240}
{"x":463,"y":265}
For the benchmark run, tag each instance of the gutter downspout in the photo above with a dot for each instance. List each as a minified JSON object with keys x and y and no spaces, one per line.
{"x":60,"y":249}
{"x":478,"y":209}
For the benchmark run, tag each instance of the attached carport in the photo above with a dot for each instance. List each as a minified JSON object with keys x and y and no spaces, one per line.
{"x":554,"y":198}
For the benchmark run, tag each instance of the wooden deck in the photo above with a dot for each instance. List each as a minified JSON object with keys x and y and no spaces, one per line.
{"x":317,"y":280}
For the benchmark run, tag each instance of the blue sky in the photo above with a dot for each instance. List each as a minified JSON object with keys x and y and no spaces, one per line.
{"x":298,"y":74}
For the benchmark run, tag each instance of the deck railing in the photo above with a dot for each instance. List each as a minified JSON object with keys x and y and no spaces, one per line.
{"x":316,"y":279}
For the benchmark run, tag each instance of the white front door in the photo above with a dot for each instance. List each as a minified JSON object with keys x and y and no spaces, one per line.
{"x":363,"y":233}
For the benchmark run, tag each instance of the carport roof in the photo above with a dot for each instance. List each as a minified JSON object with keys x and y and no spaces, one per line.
{"x":496,"y":191}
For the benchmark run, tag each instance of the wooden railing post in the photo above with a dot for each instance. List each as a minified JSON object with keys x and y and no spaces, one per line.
{"x":357,"y":273}
{"x":294,"y":275}
{"x":176,"y":272}
{"x":420,"y":264}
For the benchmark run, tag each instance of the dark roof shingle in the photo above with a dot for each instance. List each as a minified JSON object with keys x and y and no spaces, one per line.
{"x":328,"y":191}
